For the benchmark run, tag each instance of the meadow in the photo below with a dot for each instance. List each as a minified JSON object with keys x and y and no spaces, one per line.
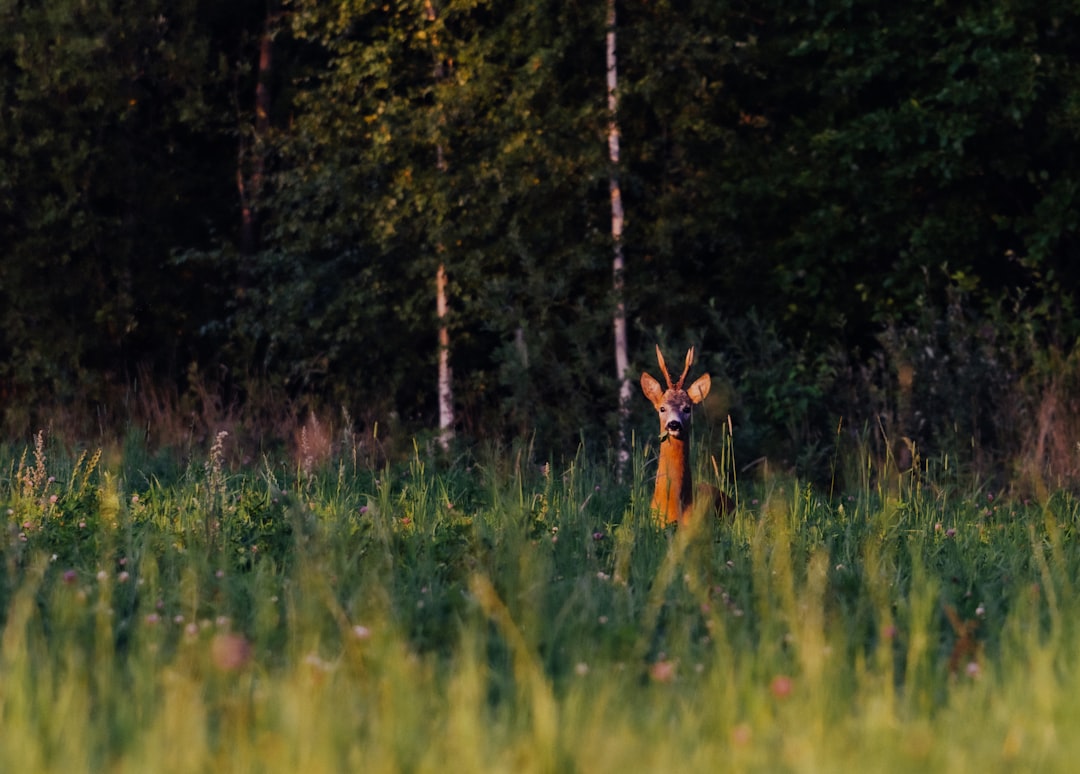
{"x":203,"y":612}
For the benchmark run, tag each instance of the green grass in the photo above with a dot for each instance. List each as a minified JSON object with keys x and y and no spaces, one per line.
{"x":494,"y":616}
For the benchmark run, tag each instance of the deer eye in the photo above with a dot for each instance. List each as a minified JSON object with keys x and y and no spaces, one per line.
{"x":663,"y":409}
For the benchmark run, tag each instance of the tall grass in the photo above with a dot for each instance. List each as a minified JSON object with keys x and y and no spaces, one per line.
{"x":501,"y":615}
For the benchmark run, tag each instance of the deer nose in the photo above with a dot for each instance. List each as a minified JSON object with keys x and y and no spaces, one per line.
{"x":674,"y":426}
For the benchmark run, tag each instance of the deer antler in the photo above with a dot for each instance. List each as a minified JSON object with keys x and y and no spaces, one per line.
{"x":663,"y":368}
{"x":686,"y":368}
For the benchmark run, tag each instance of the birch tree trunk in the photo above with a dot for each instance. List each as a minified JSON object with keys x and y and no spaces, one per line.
{"x":442,"y":307}
{"x":622,"y":361}
{"x":446,"y":387}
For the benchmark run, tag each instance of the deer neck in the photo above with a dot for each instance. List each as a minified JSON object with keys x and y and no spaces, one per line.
{"x":674,"y":490}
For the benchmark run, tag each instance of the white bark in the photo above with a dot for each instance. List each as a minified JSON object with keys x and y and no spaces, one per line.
{"x":618,"y":264}
{"x":446,"y":376}
{"x":446,"y":390}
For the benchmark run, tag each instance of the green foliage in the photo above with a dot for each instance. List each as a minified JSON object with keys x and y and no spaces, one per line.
{"x":116,"y":151}
{"x":907,"y":142}
{"x":784,"y":403}
{"x":460,"y":139}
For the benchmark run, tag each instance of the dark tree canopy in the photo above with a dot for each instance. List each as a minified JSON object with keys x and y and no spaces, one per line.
{"x":815,"y":196}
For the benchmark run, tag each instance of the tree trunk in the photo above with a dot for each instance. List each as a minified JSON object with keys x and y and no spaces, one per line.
{"x":251,"y":164}
{"x":446,"y":384}
{"x":622,"y":360}
{"x":446,"y":389}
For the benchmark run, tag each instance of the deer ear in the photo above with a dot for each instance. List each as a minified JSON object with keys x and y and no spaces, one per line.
{"x":699,"y":389}
{"x":652,"y":389}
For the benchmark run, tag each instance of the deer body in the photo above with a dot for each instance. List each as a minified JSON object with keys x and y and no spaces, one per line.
{"x":674,"y":497}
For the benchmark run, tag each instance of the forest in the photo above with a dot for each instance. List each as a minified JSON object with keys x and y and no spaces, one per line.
{"x":863,"y":216}
{"x":321,"y":330}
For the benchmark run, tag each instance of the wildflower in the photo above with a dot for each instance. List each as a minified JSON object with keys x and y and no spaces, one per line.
{"x":191,"y":630}
{"x":70,"y":576}
{"x":123,"y":576}
{"x":102,"y":575}
{"x":361,"y":632}
{"x":663,"y":671}
{"x":363,"y":509}
{"x":598,"y":535}
{"x":230,"y":652}
{"x":972,"y":669}
{"x":950,"y":532}
{"x":153,"y":619}
{"x":980,"y":611}
{"x":741,"y":734}
{"x":135,"y":498}
{"x":602,"y":620}
{"x":53,"y":499}
{"x":781,"y":686}
{"x":581,"y":669}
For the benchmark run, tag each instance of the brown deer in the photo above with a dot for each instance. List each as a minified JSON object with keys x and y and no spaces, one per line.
{"x":674,"y":497}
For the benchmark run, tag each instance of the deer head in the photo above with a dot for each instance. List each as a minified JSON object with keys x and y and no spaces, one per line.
{"x":674,"y":403}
